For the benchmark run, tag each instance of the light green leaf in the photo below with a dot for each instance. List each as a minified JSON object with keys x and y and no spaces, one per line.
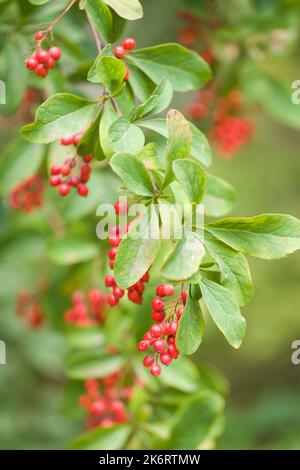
{"x":185,"y":69}
{"x":196,"y":421}
{"x":109,"y":116}
{"x":125,"y":136}
{"x":111,"y":72}
{"x":104,"y":19}
{"x":133,"y":173}
{"x":112,"y":438}
{"x":219,"y":196}
{"x":140,"y":83}
{"x":72,"y":249}
{"x":92,"y":76}
{"x":61,"y":115}
{"x":192,"y":177}
{"x":92,"y":363}
{"x":158,"y":101}
{"x":179,"y":142}
{"x":266,"y":236}
{"x":128,"y":9}
{"x":148,"y":156}
{"x":185,"y":258}
{"x":191,"y":327}
{"x":235,"y":271}
{"x":136,"y":254}
{"x":224,"y":311}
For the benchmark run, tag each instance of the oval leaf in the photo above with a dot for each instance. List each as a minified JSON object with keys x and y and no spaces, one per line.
{"x":219,"y":197}
{"x":128,"y":9}
{"x":133,"y":173}
{"x":112,"y":438}
{"x":191,"y":327}
{"x":71,"y":250}
{"x":125,"y":136}
{"x":192,"y":178}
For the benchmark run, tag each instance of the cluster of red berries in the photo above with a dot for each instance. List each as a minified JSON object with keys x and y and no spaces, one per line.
{"x":230,"y":130}
{"x":135,"y":292}
{"x":105,"y":401}
{"x":120,"y":51}
{"x":195,"y":31}
{"x":29,"y":309}
{"x":27,"y":195}
{"x":202,"y":103}
{"x":87,"y":310}
{"x":162,"y":334}
{"x":42,"y":60}
{"x":75,"y":172}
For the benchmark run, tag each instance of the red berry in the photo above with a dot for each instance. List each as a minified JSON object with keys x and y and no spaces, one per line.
{"x":76,"y":139}
{"x":112,"y":300}
{"x":112,"y":263}
{"x":134,"y":296}
{"x":74,"y":181}
{"x":157,"y":305}
{"x":165,"y":359}
{"x":159,"y":345}
{"x":110,"y":280}
{"x":139,"y":286}
{"x":159,"y":290}
{"x":117,"y":292}
{"x":179,"y":313}
{"x":114,"y":241}
{"x":121,"y":207}
{"x":54,"y":180}
{"x":173,"y":327}
{"x":55,"y":170}
{"x":156,"y":331}
{"x":127,"y":73}
{"x":66,"y":140}
{"x":143,"y":345}
{"x":173,"y":351}
{"x":38,"y":35}
{"x":55,"y":53}
{"x":148,"y":360}
{"x":87,"y":158}
{"x":157,"y":316}
{"x":168,"y":289}
{"x":112,"y":253}
{"x":98,"y":408}
{"x":155,"y":369}
{"x":50,"y":64}
{"x":42,"y":56}
{"x":129,"y":44}
{"x":31,"y":63}
{"x":145,"y":277}
{"x":41,"y":71}
{"x":64,"y":189}
{"x":119,"y":52}
{"x":148,"y":337}
{"x":82,"y":190}
{"x":65,"y":169}
{"x":171,"y":340}
{"x":117,"y":407}
{"x":184,"y":296}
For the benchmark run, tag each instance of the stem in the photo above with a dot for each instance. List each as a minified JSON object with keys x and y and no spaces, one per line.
{"x":50,"y":28}
{"x":95,"y":34}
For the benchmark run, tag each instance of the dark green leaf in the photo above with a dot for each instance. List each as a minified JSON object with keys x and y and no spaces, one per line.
{"x":111,"y":72}
{"x":107,"y":51}
{"x":191,"y":327}
{"x":192,"y":178}
{"x":133,"y":173}
{"x":104,"y":19}
{"x":140,"y":83}
{"x":90,"y":141}
{"x":158,"y":101}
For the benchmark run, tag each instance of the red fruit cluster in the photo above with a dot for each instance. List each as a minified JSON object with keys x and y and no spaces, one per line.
{"x":192,"y":31}
{"x":135,"y":292}
{"x":120,"y":51}
{"x":42,"y":60}
{"x":27,"y":195}
{"x":201,"y":106}
{"x":105,"y":401}
{"x":87,"y":310}
{"x":29,"y":309}
{"x":161,"y":335}
{"x":231,"y":133}
{"x":73,"y":173}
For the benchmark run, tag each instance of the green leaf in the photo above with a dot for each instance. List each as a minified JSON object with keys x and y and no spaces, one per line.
{"x":90,"y":141}
{"x":185,"y":69}
{"x":111,"y":72}
{"x":109,"y":116}
{"x":235,"y":271}
{"x":148,"y":156}
{"x":200,"y":148}
{"x":136,"y":254}
{"x":128,"y":9}
{"x":92,"y":363}
{"x":159,"y":100}
{"x":104,"y":19}
{"x":191,"y":327}
{"x":192,"y":177}
{"x":38,"y":2}
{"x":224,"y":311}
{"x":219,"y":197}
{"x":182,"y":375}
{"x":266,"y":236}
{"x":140,"y":83}
{"x":133,"y":173}
{"x":185,"y":258}
{"x":179,"y":142}
{"x":92,"y":76}
{"x":112,"y":438}
{"x":61,"y":115}
{"x":72,"y":249}
{"x":125,"y":136}
{"x":18,"y":162}
{"x":14,"y":75}
{"x":197,"y":420}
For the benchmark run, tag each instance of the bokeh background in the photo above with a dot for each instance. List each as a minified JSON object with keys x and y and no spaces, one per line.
{"x":263,"y":406}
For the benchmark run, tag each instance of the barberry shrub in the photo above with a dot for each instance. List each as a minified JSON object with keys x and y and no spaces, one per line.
{"x":205,"y":272}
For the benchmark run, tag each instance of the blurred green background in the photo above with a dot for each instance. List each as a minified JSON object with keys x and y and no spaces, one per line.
{"x":263,"y":406}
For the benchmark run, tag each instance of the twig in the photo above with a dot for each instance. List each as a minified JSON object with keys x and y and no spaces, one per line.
{"x":95,"y":34}
{"x":50,"y":28}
